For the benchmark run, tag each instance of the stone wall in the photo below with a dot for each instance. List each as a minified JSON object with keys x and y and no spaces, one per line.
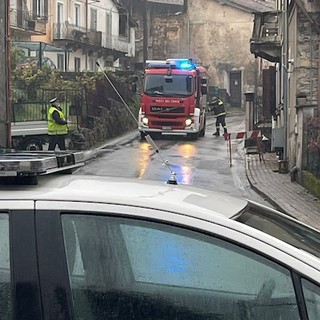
{"x":308,"y":58}
{"x":217,"y":35}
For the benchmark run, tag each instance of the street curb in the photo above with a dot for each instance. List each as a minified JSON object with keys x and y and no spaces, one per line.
{"x":268,"y":198}
{"x":123,"y":139}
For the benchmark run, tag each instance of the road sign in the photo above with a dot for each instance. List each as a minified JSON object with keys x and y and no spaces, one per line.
{"x":177,"y":2}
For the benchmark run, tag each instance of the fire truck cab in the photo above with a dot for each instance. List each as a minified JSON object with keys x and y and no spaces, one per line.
{"x":173,"y":98}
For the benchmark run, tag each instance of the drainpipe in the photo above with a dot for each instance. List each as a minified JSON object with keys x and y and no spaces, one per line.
{"x":145,"y":32}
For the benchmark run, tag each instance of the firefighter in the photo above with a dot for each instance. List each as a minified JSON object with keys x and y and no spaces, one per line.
{"x":57,"y":125}
{"x":219,"y":112}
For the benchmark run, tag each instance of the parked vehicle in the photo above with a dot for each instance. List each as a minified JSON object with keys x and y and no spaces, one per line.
{"x":173,"y":99}
{"x":29,"y":135}
{"x":92,"y":247}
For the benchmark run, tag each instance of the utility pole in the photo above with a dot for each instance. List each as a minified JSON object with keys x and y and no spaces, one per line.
{"x":5,"y":96}
{"x":87,"y":17}
{"x":145,"y":31}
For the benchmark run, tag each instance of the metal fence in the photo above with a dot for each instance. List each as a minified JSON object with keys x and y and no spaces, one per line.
{"x":29,"y":111}
{"x":72,"y":102}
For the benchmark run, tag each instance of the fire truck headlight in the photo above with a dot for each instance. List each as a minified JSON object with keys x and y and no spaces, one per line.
{"x":145,"y":121}
{"x":188,"y":122}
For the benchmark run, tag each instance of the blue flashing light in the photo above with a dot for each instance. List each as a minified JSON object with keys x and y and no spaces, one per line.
{"x":183,"y":64}
{"x":186,"y":65}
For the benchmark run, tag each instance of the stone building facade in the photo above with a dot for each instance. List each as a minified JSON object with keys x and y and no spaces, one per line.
{"x":303,"y":80}
{"x":217,"y":35}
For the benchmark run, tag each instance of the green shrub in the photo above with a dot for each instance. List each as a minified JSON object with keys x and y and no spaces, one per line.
{"x":311,"y":182}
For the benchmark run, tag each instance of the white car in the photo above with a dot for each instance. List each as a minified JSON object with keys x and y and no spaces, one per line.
{"x":89,"y":247}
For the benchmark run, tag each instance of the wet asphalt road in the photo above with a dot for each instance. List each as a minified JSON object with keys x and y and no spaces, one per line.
{"x":206,"y":163}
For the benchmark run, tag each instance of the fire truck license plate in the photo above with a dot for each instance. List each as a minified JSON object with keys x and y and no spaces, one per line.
{"x":166,"y":128}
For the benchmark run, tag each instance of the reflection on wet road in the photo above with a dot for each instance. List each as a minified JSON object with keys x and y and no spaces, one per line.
{"x":204,"y":163}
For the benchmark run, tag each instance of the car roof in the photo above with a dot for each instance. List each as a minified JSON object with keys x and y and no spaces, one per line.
{"x":201,"y":204}
{"x":127,"y":191}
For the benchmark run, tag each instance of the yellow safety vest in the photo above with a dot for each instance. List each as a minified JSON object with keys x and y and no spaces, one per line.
{"x":53,"y":127}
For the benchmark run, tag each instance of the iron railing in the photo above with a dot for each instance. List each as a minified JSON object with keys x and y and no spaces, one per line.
{"x":67,"y":31}
{"x":27,"y":21}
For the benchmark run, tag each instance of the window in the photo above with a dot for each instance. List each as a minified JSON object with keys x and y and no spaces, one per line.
{"x":93,"y":20}
{"x":92,"y":64}
{"x":127,"y":269}
{"x":123,"y":25}
{"x":173,"y":86}
{"x":77,"y":64}
{"x":60,"y":62}
{"x":77,"y":14}
{"x":6,"y":302}
{"x":108,"y":29}
{"x":40,"y":8}
{"x":312,"y":298}
{"x":60,"y":13}
{"x":289,"y":231}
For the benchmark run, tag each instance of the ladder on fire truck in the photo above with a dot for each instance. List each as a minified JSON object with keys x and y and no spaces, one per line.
{"x":25,"y":167}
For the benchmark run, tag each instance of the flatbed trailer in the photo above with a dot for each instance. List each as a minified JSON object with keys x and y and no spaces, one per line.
{"x":26,"y":166}
{"x":29,"y":135}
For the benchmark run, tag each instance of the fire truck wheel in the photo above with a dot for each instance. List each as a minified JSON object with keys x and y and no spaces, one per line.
{"x":203,"y":131}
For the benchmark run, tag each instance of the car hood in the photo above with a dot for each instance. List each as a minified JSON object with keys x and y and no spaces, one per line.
{"x":134,"y":192}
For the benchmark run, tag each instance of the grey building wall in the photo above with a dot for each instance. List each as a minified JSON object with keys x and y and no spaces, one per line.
{"x":215,"y":34}
{"x":303,"y":79}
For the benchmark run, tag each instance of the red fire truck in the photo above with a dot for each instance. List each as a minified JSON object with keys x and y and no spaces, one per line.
{"x":173,"y":99}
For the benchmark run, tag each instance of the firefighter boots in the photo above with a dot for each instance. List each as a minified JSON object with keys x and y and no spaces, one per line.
{"x":217,"y":133}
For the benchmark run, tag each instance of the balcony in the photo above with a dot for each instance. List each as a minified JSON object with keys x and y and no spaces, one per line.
{"x":24,"y":21}
{"x":68,"y":33}
{"x":115,"y":43}
{"x":266,"y":41}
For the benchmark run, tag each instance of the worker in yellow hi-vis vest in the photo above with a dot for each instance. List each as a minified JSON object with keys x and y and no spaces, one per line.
{"x":57,"y":125}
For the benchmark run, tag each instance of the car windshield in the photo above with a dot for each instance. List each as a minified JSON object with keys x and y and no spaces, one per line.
{"x":282,"y":228}
{"x":168,"y":86}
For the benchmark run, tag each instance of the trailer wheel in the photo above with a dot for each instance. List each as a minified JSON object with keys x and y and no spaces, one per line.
{"x":32,"y":145}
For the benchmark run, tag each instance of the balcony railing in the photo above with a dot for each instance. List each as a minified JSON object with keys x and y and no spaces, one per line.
{"x":266,"y":38}
{"x":115,"y":43}
{"x":66,"y":31}
{"x":28,"y":22}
